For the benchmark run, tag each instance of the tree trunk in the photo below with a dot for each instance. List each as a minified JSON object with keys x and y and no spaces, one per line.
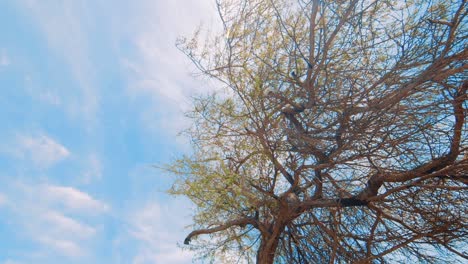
{"x":266,"y":252}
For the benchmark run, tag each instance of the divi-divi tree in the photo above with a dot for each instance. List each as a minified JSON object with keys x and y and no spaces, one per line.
{"x":338,"y":133}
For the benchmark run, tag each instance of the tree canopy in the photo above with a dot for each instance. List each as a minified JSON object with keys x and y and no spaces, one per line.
{"x":340,"y":134}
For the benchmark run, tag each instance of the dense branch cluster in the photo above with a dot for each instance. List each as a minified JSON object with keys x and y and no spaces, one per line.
{"x":341,"y":135}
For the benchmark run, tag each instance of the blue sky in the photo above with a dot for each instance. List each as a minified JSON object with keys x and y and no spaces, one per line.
{"x":92,"y":95}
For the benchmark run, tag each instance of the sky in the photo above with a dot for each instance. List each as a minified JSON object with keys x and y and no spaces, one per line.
{"x":92,"y":96}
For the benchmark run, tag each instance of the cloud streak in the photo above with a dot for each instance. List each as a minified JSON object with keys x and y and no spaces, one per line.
{"x":64,"y":247}
{"x":67,"y":34}
{"x":158,"y":229}
{"x":3,"y":199}
{"x":42,"y":150}
{"x":4,"y":59}
{"x":160,"y":71}
{"x":93,"y":170}
{"x":67,"y":225}
{"x":72,"y":199}
{"x":55,"y":217}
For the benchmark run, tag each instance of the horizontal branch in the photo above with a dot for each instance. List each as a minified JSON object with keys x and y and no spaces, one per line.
{"x":442,"y":22}
{"x":323,"y":203}
{"x":238,"y":222}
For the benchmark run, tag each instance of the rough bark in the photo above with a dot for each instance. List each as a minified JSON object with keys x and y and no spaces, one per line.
{"x":266,"y":251}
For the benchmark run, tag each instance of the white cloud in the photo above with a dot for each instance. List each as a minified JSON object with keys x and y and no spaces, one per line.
{"x":3,"y":199}
{"x":62,"y":233}
{"x":41,"y":149}
{"x":93,"y":169}
{"x":64,"y":225}
{"x":60,"y":219}
{"x":170,"y":257}
{"x":4,"y":59}
{"x":42,"y":94}
{"x":160,"y":70}
{"x":66,"y":32}
{"x":72,"y":199}
{"x":50,"y":98}
{"x":9,"y":261}
{"x":64,"y":247}
{"x":159,"y":228}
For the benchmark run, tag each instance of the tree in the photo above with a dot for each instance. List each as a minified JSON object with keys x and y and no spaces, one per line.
{"x":340,"y":135}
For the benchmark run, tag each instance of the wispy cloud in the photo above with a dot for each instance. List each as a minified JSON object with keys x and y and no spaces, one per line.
{"x":62,"y":233}
{"x":159,"y":228}
{"x":67,"y":225}
{"x":65,"y":247}
{"x":65,"y":29}
{"x":3,"y":199}
{"x":55,"y":217}
{"x":9,"y":261}
{"x":160,"y":71}
{"x":48,"y":94}
{"x":93,"y":169}
{"x":39,"y":148}
{"x":4,"y":59}
{"x":72,"y":199}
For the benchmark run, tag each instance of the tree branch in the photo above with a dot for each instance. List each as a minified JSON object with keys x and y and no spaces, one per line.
{"x":238,"y":222}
